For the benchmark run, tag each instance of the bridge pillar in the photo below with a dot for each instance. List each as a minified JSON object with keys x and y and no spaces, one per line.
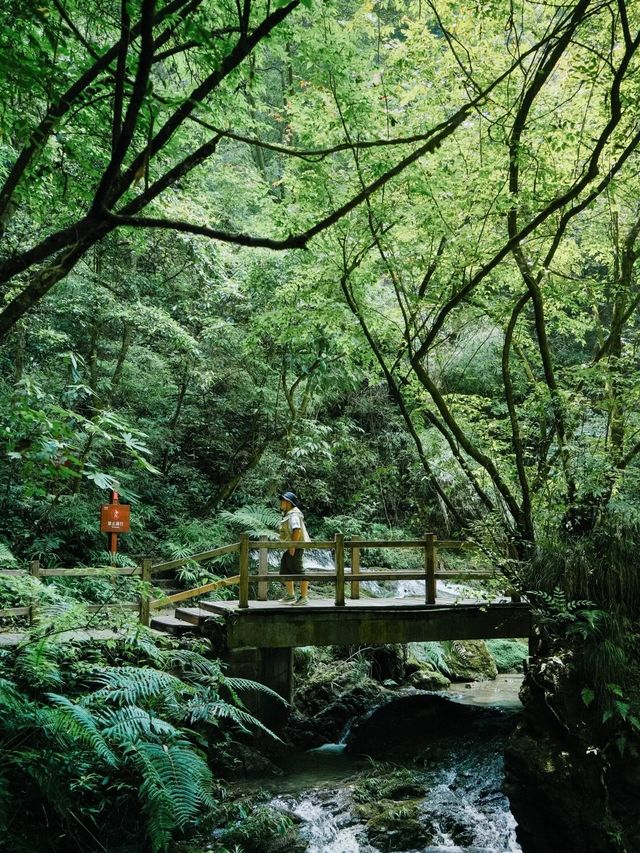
{"x":272,"y":667}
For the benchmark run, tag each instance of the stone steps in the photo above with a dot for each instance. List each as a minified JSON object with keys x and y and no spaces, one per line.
{"x":184,"y":620}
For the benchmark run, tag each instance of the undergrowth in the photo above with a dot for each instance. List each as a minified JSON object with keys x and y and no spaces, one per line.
{"x":109,"y":746}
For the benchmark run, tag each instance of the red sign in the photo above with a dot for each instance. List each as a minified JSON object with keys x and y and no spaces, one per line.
{"x":114,"y":518}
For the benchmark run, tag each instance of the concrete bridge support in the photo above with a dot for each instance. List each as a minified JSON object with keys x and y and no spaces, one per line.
{"x":272,"y":667}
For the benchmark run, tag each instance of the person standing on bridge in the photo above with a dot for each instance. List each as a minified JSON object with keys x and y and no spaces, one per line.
{"x":292,"y":529}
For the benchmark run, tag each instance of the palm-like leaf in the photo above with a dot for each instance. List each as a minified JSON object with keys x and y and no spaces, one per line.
{"x":130,"y":724}
{"x":257,"y":520}
{"x":176,"y":785}
{"x":137,"y":685}
{"x":79,"y":724}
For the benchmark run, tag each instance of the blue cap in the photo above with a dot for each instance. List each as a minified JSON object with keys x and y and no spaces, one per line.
{"x":289,"y":496}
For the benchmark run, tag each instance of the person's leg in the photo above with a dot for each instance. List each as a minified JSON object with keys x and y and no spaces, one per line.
{"x":299,"y":569}
{"x":285,"y":569}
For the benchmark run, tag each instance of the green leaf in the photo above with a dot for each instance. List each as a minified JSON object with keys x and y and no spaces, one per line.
{"x":588,"y":696}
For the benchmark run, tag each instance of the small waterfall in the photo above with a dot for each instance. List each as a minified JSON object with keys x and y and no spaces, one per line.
{"x":316,"y":560}
{"x":323,"y":816}
{"x":463,"y":805}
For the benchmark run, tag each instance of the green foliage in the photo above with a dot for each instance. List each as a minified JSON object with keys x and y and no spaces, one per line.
{"x":256,"y":520}
{"x":253,"y":826}
{"x":84,"y":740}
{"x":433,"y":653}
{"x":509,"y":655}
{"x":388,"y":782}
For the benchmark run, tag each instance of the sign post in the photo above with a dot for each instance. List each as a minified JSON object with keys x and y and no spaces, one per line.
{"x":114,"y":519}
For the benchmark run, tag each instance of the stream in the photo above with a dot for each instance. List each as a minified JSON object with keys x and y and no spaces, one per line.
{"x":461,"y":807}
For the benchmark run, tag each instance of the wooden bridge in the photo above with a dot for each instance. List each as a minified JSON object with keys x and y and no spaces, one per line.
{"x":338,"y":620}
{"x":257,"y":636}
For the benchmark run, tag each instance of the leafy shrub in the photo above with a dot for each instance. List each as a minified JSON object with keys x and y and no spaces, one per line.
{"x":87,"y":742}
{"x":509,"y":655}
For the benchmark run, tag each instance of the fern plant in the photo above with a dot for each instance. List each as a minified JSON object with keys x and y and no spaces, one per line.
{"x":255,"y":520}
{"x":89,"y":733}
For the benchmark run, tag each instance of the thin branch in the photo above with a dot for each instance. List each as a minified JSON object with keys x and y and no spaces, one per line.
{"x":58,"y":109}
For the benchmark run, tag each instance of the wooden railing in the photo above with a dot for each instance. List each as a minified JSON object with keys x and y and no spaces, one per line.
{"x":146,"y":570}
{"x":430,"y":546}
{"x":341,"y":547}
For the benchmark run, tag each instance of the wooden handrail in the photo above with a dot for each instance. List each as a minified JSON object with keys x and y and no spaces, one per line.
{"x":193,"y":593}
{"x":196,"y":558}
{"x":15,"y":611}
{"x":329,"y":544}
{"x":339,"y":576}
{"x":86,"y":571}
{"x":381,"y":575}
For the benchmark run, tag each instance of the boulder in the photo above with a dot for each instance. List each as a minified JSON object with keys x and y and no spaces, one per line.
{"x":428,"y":678}
{"x":469,"y":660}
{"x":589,"y":793}
{"x":405,"y":725}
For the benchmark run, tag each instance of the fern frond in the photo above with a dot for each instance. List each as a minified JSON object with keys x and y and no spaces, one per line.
{"x":211,"y":711}
{"x":134,"y":685}
{"x":36,"y":664}
{"x":257,"y":520}
{"x":246,"y":684}
{"x":45,"y":767}
{"x":140,"y":641}
{"x":12,"y":703}
{"x":78,"y":723}
{"x":130,"y":724}
{"x":6,"y":557}
{"x":177,"y":785}
{"x":189,"y":663}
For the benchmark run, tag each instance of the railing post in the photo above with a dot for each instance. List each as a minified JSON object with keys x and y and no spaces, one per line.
{"x":430,"y":562}
{"x":145,"y":597}
{"x":355,"y":569}
{"x":244,"y":571}
{"x":34,"y":571}
{"x":263,"y":569}
{"x":339,"y":569}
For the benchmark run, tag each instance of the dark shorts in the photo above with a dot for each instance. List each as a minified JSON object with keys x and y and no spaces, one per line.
{"x":292,"y":565}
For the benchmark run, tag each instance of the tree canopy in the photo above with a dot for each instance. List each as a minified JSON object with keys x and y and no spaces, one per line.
{"x":263,"y":213}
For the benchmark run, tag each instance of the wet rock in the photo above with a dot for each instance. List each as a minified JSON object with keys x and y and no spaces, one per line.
{"x":399,"y":784}
{"x":427,"y":678}
{"x":262,"y":829}
{"x":395,"y":826}
{"x":405,"y":725}
{"x":469,"y":660}
{"x":590,"y":798}
{"x":327,"y":702}
{"x":241,"y":761}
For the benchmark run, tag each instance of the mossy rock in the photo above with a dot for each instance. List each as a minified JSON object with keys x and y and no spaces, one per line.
{"x":428,"y":678}
{"x":397,"y":826}
{"x":306,"y":659}
{"x":263,"y":829}
{"x":469,"y":660}
{"x":509,"y":655}
{"x":407,"y":724}
{"x":399,"y":784}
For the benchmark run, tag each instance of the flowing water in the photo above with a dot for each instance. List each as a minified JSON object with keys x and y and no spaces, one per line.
{"x":448,"y":593}
{"x":463,"y":806}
